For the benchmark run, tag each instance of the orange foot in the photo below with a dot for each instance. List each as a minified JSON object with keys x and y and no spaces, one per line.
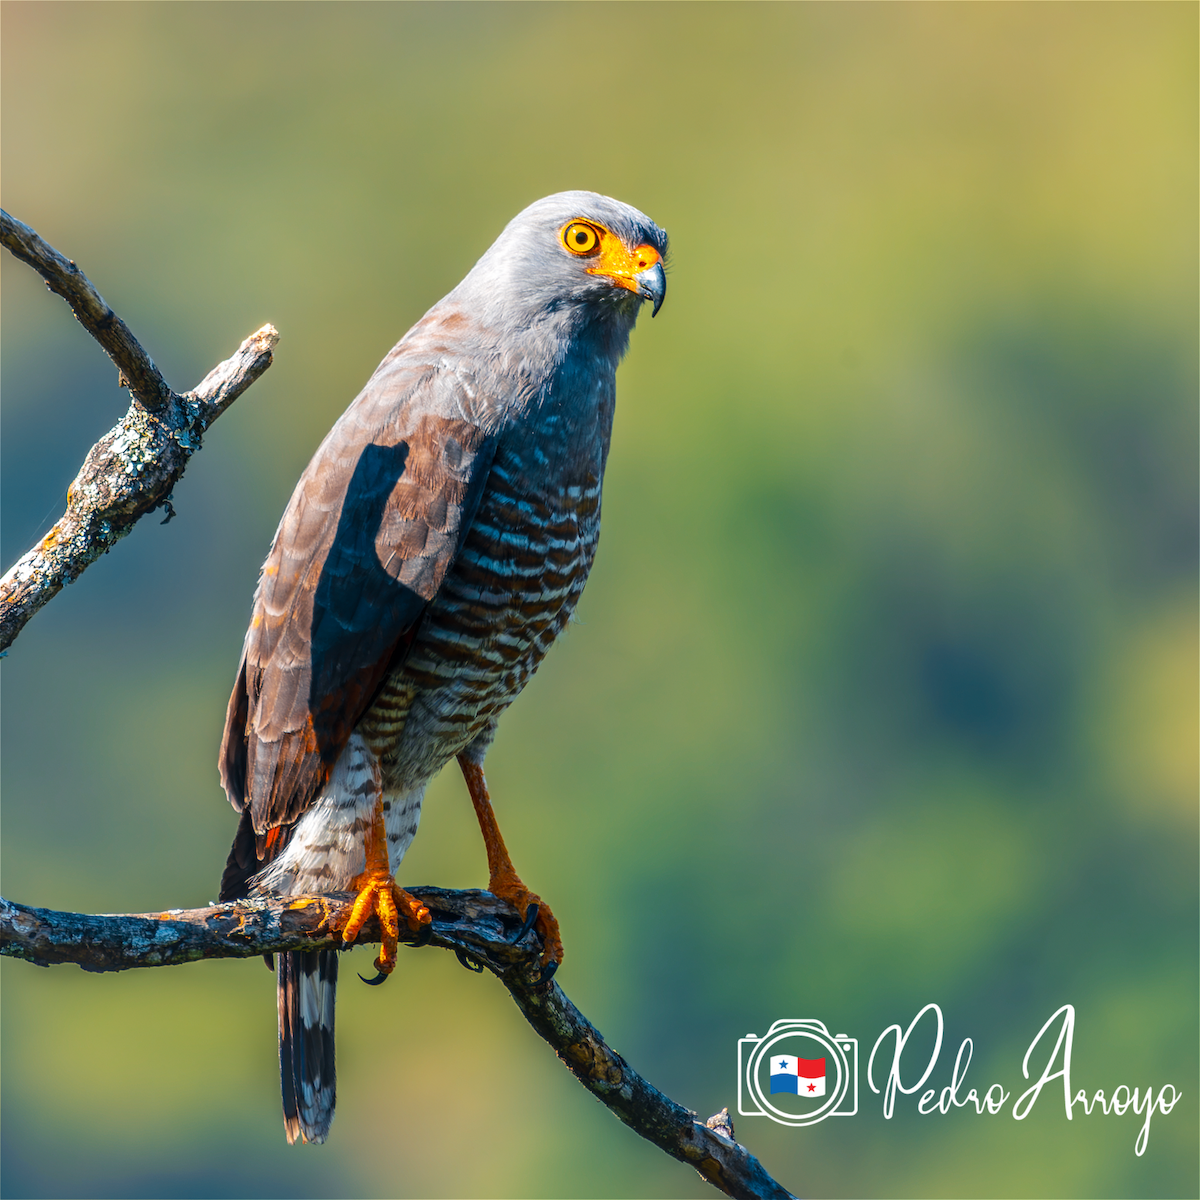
{"x":504,"y":882}
{"x":536,"y":914}
{"x":379,"y":893}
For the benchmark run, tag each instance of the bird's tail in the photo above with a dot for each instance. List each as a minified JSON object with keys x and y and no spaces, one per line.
{"x":307,"y":1074}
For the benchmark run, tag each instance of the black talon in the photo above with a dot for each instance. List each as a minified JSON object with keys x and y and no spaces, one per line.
{"x":547,"y":973}
{"x":468,"y":962}
{"x":424,"y":936}
{"x":531,"y":915}
{"x":379,"y":978}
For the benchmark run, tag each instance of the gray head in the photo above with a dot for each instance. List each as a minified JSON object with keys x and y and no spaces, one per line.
{"x":571,"y":251}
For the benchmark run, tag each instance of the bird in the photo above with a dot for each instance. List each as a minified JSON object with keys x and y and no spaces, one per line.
{"x":432,"y":550}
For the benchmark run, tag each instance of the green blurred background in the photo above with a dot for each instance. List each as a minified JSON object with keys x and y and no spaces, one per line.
{"x":884,"y":690}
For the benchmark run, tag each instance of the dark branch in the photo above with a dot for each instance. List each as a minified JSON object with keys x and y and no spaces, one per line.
{"x":133,"y":469}
{"x":63,"y":277}
{"x":474,"y":924}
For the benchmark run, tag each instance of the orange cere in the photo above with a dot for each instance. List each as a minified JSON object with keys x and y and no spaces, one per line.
{"x":620,"y":263}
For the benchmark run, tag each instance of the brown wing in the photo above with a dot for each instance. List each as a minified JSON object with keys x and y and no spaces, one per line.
{"x":368,"y":536}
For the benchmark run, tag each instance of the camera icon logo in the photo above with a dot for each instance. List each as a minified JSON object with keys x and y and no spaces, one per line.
{"x":798,"y":1074}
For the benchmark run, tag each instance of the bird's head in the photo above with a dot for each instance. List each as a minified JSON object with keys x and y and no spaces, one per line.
{"x":575,"y":249}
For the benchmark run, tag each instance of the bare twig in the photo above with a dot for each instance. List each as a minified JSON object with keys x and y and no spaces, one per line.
{"x":133,"y":469}
{"x":63,"y":277}
{"x":477,"y":926}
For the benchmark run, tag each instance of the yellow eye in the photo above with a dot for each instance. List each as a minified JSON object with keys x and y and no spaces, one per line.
{"x":581,"y":238}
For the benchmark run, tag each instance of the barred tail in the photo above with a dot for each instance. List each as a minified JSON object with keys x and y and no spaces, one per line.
{"x":307,"y":991}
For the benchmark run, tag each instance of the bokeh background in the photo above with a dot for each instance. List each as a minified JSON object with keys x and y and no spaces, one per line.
{"x":884,"y":688}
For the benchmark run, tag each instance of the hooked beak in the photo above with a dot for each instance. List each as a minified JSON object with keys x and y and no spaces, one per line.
{"x":652,"y":285}
{"x":638,"y":270}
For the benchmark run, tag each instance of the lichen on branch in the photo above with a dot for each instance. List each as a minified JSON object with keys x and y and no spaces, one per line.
{"x":134,"y":468}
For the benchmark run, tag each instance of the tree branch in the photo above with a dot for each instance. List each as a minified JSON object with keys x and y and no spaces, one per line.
{"x":477,"y":926}
{"x":65,"y":279}
{"x":133,"y":469}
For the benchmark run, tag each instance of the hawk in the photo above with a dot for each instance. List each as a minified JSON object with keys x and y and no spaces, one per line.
{"x":432,"y":551}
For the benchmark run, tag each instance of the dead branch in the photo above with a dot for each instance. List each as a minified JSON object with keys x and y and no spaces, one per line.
{"x":134,"y":468}
{"x":475,"y":925}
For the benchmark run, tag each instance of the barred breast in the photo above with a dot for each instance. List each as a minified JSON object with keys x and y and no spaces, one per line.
{"x":520,"y":573}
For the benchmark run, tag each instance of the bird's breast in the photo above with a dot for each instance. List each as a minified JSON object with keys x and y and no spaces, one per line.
{"x":512,"y":589}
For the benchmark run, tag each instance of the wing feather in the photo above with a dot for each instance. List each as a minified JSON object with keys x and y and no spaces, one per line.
{"x":373,"y":526}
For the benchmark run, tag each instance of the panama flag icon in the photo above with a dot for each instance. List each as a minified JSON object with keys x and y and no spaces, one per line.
{"x":800,"y":1076}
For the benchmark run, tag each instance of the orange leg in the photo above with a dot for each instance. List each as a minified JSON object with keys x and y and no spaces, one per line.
{"x":504,"y":882}
{"x":378,"y":892}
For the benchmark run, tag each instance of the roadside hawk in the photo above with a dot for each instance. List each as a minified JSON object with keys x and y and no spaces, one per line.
{"x":433,"y":549}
